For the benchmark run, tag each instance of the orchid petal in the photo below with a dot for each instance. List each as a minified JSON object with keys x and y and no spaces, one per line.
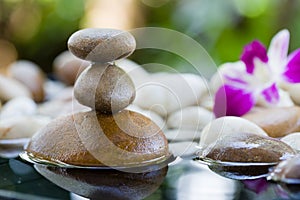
{"x":261,"y":73}
{"x":232,"y":101}
{"x":292,"y":73}
{"x":230,"y":69}
{"x":253,"y":50}
{"x":271,"y":94}
{"x":284,"y":100}
{"x":278,"y":50}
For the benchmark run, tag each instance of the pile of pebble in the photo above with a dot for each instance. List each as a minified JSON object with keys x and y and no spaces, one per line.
{"x":179,"y":103}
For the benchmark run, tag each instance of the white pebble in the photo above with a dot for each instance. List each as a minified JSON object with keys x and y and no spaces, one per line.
{"x":21,"y":127}
{"x":220,"y":127}
{"x":183,"y":148}
{"x":207,"y":102}
{"x":57,"y":108}
{"x":192,"y":118}
{"x":293,"y":90}
{"x":174,"y":135}
{"x":10,"y":88}
{"x":19,"y":106}
{"x":52,"y":88}
{"x":136,"y":72}
{"x":292,"y":139}
{"x":165,"y":92}
{"x":157,"y":119}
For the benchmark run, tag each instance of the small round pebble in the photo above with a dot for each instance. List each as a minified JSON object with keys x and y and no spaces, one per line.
{"x":183,"y":149}
{"x":67,"y":67}
{"x":18,"y":106}
{"x":31,"y":76}
{"x":101,"y":45}
{"x":156,"y":118}
{"x":227,"y":125}
{"x":190,"y":118}
{"x":293,"y":90}
{"x":165,"y":93}
{"x":136,"y":72}
{"x":175,"y":135}
{"x":277,"y":122}
{"x":22,"y":126}
{"x":11,"y":88}
{"x":105,"y":88}
{"x":292,"y":139}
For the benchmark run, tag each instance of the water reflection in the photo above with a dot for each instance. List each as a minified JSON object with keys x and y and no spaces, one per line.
{"x":204,"y":184}
{"x":104,"y":184}
{"x":289,"y":190}
{"x":10,"y":148}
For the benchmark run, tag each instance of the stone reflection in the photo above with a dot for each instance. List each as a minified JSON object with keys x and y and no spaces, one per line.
{"x":105,"y":184}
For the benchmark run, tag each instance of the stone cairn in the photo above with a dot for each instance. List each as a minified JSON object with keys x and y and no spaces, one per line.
{"x":103,"y":86}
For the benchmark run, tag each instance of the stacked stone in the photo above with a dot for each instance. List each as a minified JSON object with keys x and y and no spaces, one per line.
{"x":103,"y":86}
{"x":108,"y":135}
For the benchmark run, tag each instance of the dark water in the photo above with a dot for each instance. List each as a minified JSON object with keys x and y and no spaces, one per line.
{"x":184,"y":180}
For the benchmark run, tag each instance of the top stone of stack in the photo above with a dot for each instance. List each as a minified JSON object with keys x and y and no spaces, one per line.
{"x":101,"y":45}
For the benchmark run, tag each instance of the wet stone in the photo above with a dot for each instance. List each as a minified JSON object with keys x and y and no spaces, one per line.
{"x":101,"y":45}
{"x":104,"y":88}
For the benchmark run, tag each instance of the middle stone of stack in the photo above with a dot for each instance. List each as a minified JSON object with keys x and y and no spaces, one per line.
{"x":105,"y":88}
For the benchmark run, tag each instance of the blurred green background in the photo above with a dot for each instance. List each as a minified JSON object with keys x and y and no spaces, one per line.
{"x":38,"y":30}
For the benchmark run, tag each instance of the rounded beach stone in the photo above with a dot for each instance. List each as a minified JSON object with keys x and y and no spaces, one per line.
{"x":31,"y":76}
{"x":17,"y":107}
{"x":11,"y":88}
{"x":228,"y":125}
{"x":135,"y":71}
{"x":293,"y":90}
{"x":101,"y":45}
{"x":183,"y":149}
{"x":175,"y":135}
{"x":165,"y":93}
{"x":67,"y":67}
{"x":190,"y":118}
{"x":277,"y":122}
{"x":248,"y":147}
{"x":105,"y":88}
{"x":94,"y":139}
{"x":156,"y":118}
{"x":293,"y":140}
{"x":22,"y":126}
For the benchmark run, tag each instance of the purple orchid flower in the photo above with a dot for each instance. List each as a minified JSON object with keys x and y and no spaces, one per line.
{"x":259,"y":76}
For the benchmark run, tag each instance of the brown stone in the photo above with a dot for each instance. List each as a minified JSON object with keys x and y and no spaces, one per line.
{"x":105,"y":88}
{"x":252,"y":148}
{"x":67,"y":67}
{"x":277,"y":122}
{"x":101,"y":45}
{"x":89,"y":139}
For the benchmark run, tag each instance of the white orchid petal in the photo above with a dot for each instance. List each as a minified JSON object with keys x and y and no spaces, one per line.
{"x":284,"y":100}
{"x":261,"y":74}
{"x":278,"y":51}
{"x":226,"y":69}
